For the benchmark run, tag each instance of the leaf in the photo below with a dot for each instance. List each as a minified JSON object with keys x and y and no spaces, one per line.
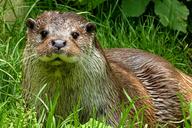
{"x":91,"y":4}
{"x":172,"y":13}
{"x":134,"y":7}
{"x":92,"y":122}
{"x":190,"y":112}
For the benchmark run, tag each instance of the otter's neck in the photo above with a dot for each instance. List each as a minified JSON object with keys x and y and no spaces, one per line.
{"x":89,"y":80}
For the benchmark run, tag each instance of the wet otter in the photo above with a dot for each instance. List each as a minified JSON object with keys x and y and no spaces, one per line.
{"x":62,"y":56}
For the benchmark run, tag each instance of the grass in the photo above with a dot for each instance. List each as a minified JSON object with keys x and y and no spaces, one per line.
{"x":121,"y":32}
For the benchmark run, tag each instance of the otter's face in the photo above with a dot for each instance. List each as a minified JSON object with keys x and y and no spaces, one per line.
{"x":58,"y":38}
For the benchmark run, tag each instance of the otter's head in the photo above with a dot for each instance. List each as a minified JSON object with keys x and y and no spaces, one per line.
{"x":58,"y":38}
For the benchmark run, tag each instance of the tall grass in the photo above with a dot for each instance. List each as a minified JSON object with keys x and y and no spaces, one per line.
{"x":119,"y":32}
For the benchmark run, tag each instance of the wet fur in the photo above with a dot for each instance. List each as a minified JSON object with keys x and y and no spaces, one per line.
{"x":163,"y":83}
{"x":88,"y":81}
{"x":100,"y":77}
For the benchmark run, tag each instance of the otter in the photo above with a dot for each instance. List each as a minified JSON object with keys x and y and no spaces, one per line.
{"x":63,"y":59}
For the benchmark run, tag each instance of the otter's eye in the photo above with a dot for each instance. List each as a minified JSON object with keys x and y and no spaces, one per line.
{"x":44,"y":33}
{"x":75,"y":35}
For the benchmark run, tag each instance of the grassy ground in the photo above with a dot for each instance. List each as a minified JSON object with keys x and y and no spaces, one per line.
{"x":120,"y":32}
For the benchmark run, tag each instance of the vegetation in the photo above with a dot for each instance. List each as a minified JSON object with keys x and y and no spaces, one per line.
{"x":172,"y":13}
{"x":114,"y":29}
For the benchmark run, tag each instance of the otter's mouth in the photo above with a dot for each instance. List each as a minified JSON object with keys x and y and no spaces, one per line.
{"x":58,"y":59}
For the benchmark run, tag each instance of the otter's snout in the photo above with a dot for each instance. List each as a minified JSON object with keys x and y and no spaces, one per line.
{"x":58,"y":43}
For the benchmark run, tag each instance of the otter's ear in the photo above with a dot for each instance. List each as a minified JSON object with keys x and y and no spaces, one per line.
{"x":31,"y":23}
{"x":90,"y":27}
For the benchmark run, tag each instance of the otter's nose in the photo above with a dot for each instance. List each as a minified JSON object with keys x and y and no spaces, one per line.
{"x":58,"y":43}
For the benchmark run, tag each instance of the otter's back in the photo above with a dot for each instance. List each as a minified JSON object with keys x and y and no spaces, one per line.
{"x":158,"y":77}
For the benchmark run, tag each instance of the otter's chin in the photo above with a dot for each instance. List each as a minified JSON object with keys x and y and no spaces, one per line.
{"x":58,"y":59}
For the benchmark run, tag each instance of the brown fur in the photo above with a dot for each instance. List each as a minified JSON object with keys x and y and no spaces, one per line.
{"x":98,"y":78}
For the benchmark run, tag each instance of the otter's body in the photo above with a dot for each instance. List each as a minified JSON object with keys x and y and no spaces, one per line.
{"x":62,"y":59}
